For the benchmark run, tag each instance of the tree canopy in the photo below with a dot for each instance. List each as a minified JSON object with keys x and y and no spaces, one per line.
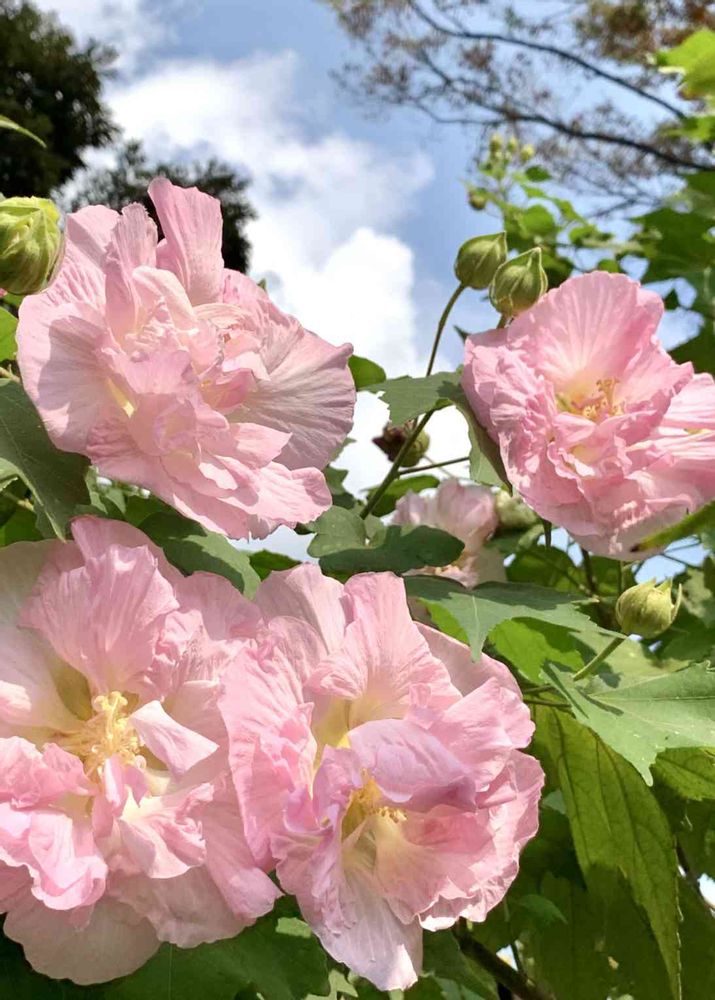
{"x":51,"y":86}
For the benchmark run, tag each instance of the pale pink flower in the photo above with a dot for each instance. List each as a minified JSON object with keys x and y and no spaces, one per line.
{"x":377,"y":766}
{"x":118,"y":828}
{"x":600,"y":431}
{"x":468,"y":513}
{"x":175,"y":374}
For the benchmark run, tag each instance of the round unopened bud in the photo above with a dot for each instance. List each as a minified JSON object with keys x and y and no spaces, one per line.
{"x":512,"y":144}
{"x":496,"y":143}
{"x":478,"y":199}
{"x":527,"y":152}
{"x":29,"y":243}
{"x":478,"y":259}
{"x":394,"y":436}
{"x":647,"y":609}
{"x":519,"y":283}
{"x":512,"y":512}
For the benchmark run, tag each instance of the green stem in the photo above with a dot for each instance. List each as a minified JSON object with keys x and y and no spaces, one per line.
{"x":432,"y":465}
{"x":588,"y":570}
{"x":503,"y":321}
{"x":441,"y":325}
{"x":394,"y":470}
{"x":519,"y":984}
{"x":599,"y":658}
{"x":6,"y":373}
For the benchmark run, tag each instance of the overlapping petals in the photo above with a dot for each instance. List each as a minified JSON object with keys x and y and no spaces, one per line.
{"x":467,"y":512}
{"x":377,"y":766}
{"x":600,"y":430}
{"x":175,"y":374}
{"x":118,"y":827}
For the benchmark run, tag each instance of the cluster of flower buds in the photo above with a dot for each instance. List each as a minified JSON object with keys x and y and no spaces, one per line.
{"x":514,"y":285}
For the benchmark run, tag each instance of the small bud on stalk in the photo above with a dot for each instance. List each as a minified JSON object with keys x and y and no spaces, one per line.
{"x":394,"y":436}
{"x":477,"y":198}
{"x":647,"y":609}
{"x":30,"y":242}
{"x":479,"y":258}
{"x":519,"y":283}
{"x":513,"y":513}
{"x":527,"y":153}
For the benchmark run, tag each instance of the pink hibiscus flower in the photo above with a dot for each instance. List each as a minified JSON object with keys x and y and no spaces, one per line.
{"x":467,"y":512}
{"x":118,"y":828}
{"x":377,"y":766}
{"x":172,"y":373}
{"x":600,"y":430}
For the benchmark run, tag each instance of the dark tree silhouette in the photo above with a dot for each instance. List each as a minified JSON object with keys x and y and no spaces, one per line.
{"x":128,"y":181}
{"x":51,"y":86}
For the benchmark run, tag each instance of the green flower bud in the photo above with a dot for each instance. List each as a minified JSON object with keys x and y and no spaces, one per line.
{"x":512,"y":512}
{"x":527,"y":152}
{"x":647,"y":609}
{"x":496,"y":144}
{"x":394,"y":436}
{"x":512,"y":144}
{"x":478,"y":199}
{"x":30,"y":242}
{"x":479,"y":258}
{"x":519,"y":283}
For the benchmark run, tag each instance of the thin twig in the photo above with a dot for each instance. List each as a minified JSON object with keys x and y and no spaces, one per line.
{"x":519,"y":984}
{"x":432,"y":465}
{"x":6,"y":373}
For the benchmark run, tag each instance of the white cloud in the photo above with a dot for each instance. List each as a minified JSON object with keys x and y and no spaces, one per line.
{"x":133,"y":27}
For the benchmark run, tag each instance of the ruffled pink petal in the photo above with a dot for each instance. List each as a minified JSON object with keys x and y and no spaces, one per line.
{"x":163,"y":835}
{"x":115,"y":941}
{"x":191,"y":223}
{"x":180,"y":748}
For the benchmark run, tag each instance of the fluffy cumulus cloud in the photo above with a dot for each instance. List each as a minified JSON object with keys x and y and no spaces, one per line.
{"x":133,"y":27}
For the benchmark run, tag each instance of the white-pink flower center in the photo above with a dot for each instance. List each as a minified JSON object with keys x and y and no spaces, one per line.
{"x":106,"y":734}
{"x":367,"y":803}
{"x":595,"y":405}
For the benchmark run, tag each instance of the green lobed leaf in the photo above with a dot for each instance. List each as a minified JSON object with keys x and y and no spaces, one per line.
{"x":409,"y":397}
{"x":400,"y":487}
{"x":563,"y":949}
{"x":346,"y":544}
{"x":641,"y":718}
{"x":56,"y":478}
{"x":264,"y":562}
{"x":190,"y":548}
{"x":365,"y":373}
{"x":476,"y":612}
{"x":618,"y":827}
{"x":695,"y":59}
{"x":689,"y":773}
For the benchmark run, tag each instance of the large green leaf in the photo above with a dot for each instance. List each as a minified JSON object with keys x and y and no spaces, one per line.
{"x":476,"y":612}
{"x":56,"y":478}
{"x":688,"y":773}
{"x":695,"y":59}
{"x":564,"y":953}
{"x":345,"y":543}
{"x":190,"y":548}
{"x":618,"y":827}
{"x":409,"y":397}
{"x":641,"y":718}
